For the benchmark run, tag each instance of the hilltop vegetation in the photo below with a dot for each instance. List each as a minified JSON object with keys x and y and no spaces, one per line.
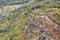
{"x":35,"y":20}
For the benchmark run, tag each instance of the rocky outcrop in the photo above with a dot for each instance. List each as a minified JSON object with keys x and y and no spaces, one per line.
{"x":40,"y":27}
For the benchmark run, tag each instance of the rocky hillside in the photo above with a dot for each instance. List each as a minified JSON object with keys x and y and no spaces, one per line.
{"x":31,"y":20}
